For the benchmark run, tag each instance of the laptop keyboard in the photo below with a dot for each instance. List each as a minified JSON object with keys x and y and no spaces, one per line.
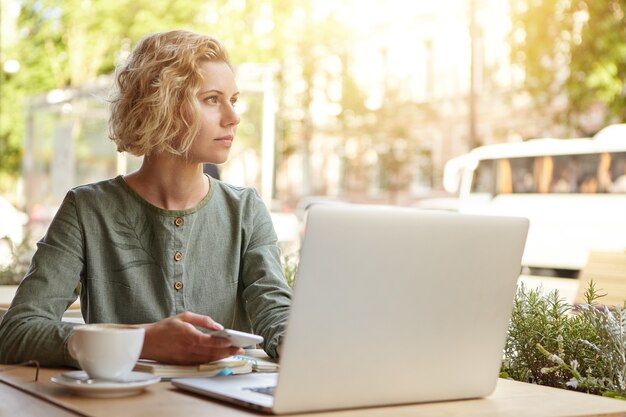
{"x":262,"y":390}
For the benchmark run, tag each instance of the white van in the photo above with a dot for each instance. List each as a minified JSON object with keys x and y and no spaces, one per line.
{"x":572,"y":190}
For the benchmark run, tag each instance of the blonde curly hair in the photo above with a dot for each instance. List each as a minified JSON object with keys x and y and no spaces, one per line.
{"x":154,"y":106}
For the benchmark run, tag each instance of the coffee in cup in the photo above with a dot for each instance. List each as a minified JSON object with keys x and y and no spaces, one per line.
{"x":106,"y":351}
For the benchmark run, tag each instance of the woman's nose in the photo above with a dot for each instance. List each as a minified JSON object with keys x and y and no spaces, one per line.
{"x":231,"y":116}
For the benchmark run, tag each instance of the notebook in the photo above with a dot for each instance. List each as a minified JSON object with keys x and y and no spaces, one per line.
{"x":227,"y":366}
{"x":391,"y":306}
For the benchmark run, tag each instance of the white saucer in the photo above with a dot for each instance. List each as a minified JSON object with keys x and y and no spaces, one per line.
{"x":76,"y":381}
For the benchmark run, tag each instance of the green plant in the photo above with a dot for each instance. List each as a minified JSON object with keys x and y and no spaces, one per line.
{"x":290,"y":265}
{"x":21,"y":255}
{"x":581,"y":348}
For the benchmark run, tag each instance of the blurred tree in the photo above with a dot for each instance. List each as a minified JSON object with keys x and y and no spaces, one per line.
{"x":598,"y":65}
{"x":65,"y":43}
{"x":10,"y":132}
{"x":573,"y":48}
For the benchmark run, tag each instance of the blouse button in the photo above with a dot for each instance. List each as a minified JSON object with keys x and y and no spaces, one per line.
{"x":178,"y":285}
{"x":178,"y":256}
{"x":179,"y":221}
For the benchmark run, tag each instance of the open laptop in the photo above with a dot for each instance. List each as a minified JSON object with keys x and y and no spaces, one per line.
{"x":390,"y":306}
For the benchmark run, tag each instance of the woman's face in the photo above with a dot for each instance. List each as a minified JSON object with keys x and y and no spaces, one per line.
{"x":218,"y":117}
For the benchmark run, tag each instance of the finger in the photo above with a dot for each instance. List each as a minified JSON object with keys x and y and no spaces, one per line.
{"x":231,"y":351}
{"x":219,"y":342}
{"x":201,"y":342}
{"x":214,"y":354}
{"x":200,"y":320}
{"x":216,"y":342}
{"x":210,"y":344}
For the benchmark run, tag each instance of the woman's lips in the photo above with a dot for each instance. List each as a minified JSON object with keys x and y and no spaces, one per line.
{"x":225,"y":140}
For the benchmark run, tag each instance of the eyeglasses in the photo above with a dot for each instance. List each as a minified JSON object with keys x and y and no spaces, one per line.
{"x":27,"y":363}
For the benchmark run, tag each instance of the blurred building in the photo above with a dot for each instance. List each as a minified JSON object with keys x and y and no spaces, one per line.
{"x":444,"y":65}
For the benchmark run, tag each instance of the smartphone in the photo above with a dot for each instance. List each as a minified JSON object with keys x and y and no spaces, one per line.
{"x":237,"y":338}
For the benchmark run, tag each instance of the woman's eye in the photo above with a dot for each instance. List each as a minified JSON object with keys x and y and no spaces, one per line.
{"x":211,"y":99}
{"x":233,"y":102}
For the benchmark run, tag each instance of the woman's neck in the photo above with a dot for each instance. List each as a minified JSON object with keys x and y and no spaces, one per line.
{"x":169,"y":182}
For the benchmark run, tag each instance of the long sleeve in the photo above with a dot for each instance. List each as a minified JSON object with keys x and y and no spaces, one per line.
{"x":32,"y":328}
{"x":266,"y":293}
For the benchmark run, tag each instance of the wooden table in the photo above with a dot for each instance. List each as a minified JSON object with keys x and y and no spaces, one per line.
{"x":20,"y":395}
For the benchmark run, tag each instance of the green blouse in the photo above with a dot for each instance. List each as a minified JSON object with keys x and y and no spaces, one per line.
{"x":137,"y":263}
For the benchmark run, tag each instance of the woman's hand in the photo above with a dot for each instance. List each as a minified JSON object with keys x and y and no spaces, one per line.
{"x":176,"y":340}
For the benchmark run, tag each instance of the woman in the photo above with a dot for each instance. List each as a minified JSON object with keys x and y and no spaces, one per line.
{"x":166,"y":247}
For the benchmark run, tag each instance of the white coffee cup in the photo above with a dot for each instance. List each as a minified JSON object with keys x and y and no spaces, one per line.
{"x":106,"y":351}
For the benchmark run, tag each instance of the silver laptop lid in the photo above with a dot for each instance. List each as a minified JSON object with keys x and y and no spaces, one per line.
{"x":398,"y":306}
